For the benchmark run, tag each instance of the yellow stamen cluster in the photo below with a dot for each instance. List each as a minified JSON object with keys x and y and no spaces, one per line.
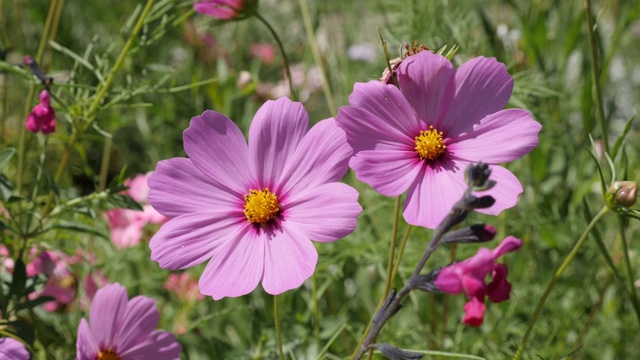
{"x":260,"y":206}
{"x":108,"y":355}
{"x":430,"y":144}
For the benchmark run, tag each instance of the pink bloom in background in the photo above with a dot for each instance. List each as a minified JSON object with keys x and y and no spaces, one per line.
{"x":252,"y":210}
{"x":119,"y":328}
{"x":220,"y":9}
{"x":263,"y":52}
{"x":60,"y":284}
{"x":422,"y":136}
{"x":12,"y":349}
{"x":127,"y":225}
{"x":468,"y":276}
{"x":42,"y":117}
{"x":184,"y":286}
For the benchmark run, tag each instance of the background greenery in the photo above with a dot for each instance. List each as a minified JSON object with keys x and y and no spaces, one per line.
{"x":545,"y":46}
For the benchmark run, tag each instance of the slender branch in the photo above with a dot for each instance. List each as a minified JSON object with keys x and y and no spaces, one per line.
{"x":627,"y":262}
{"x":276,"y":315}
{"x":287,"y":66}
{"x":596,"y":75}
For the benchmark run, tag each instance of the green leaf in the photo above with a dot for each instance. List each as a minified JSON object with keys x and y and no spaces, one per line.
{"x":123,"y":202}
{"x":619,"y":140}
{"x":5,"y":156}
{"x":78,"y":227}
{"x":33,"y":303}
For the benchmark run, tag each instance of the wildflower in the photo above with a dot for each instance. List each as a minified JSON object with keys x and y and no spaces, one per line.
{"x":252,"y":210}
{"x":226,"y":9}
{"x":119,"y":328}
{"x":468,"y":277}
{"x":263,"y":52}
{"x":42,"y":117}
{"x":184,"y":286}
{"x":421,"y":136}
{"x":12,"y":349}
{"x":60,"y":284}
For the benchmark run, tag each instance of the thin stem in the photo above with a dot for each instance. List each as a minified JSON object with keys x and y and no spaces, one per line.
{"x":403,"y":244}
{"x":287,"y":67}
{"x":306,"y":18}
{"x":596,"y":75}
{"x":54,"y":28}
{"x":104,"y":167}
{"x":556,"y":278}
{"x":316,"y":310}
{"x":276,"y":315}
{"x":627,"y":262}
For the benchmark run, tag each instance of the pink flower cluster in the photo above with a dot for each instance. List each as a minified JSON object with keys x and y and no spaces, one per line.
{"x":127,"y":225}
{"x":42,"y":117}
{"x":468,"y":276}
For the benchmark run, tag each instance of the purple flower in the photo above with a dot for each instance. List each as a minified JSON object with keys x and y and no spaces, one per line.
{"x":119,"y":328}
{"x":221,"y":9}
{"x":12,"y":349}
{"x":42,"y":117}
{"x":468,"y":276}
{"x":423,"y":135}
{"x":252,"y":210}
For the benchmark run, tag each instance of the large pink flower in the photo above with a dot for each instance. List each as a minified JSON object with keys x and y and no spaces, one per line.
{"x":120,"y":328}
{"x":421,"y":136}
{"x":253,"y":209}
{"x":12,"y":349}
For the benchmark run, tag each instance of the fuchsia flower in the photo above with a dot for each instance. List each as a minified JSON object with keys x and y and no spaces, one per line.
{"x":119,"y":328}
{"x":42,"y":117}
{"x":468,"y":277}
{"x":127,"y":225}
{"x":252,"y":210}
{"x":12,"y":349}
{"x":422,"y":136}
{"x":221,"y":9}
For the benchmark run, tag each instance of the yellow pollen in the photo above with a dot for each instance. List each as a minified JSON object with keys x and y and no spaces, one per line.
{"x":429,"y":144}
{"x":260,"y":206}
{"x":107,"y":355}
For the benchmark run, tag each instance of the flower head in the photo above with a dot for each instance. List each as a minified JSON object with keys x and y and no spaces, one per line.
{"x":12,"y":349}
{"x":119,"y":328}
{"x":468,"y":276}
{"x":252,"y":210}
{"x":421,"y":136}
{"x":42,"y":117}
{"x":226,"y":9}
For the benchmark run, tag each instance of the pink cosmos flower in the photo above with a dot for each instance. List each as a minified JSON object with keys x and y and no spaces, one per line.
{"x":221,"y":9}
{"x":119,"y":328}
{"x":12,"y":349}
{"x":42,"y":117}
{"x":252,"y":210}
{"x":468,"y":277}
{"x":422,"y":136}
{"x":184,"y":286}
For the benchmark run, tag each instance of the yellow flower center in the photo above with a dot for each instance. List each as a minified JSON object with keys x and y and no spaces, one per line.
{"x":107,"y":355}
{"x":429,"y":144}
{"x":260,"y":206}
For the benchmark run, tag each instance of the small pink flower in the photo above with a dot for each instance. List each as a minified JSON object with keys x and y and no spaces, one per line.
{"x":252,"y":210}
{"x":421,"y":136}
{"x":220,"y":9}
{"x":12,"y":349}
{"x":42,"y":117}
{"x":468,"y":276}
{"x":60,"y":284}
{"x":184,"y":286}
{"x":119,"y":328}
{"x":263,"y":52}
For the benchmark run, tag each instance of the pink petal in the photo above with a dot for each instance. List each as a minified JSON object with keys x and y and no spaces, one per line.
{"x":217,"y":147}
{"x":191,"y":239}
{"x":290,"y":259}
{"x":107,"y":313}
{"x":379,"y":114}
{"x":482,"y":87}
{"x":127,"y":236}
{"x":177,"y":187}
{"x":449,"y":279}
{"x":474,"y":312}
{"x":501,"y":137}
{"x":160,"y":345}
{"x":499,"y":288}
{"x":423,"y":79}
{"x":86,"y":345}
{"x":434,"y":191}
{"x":473,"y":286}
{"x":276,"y":130}
{"x":390,"y":172}
{"x":505,"y":192}
{"x":324,"y":213}
{"x":321,"y":157}
{"x":140,"y":319}
{"x":508,"y":245}
{"x":235,"y":269}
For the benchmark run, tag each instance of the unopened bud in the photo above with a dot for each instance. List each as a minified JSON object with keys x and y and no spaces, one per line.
{"x":625,"y":193}
{"x":483,"y":202}
{"x":472,"y":234}
{"x":394,"y":353}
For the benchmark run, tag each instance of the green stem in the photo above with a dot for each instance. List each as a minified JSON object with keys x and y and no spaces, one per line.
{"x":556,"y":278}
{"x":276,"y":315}
{"x":104,"y":167}
{"x":401,"y":252}
{"x":627,"y":262}
{"x":306,"y":18}
{"x":287,"y":67}
{"x":595,"y":75}
{"x":316,"y":310}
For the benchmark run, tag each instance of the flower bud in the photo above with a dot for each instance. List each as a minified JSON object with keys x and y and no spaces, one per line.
{"x":477,"y":175}
{"x":625,"y":193}
{"x":472,"y":234}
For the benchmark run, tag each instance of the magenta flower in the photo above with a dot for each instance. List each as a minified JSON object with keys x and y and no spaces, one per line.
{"x":252,"y":210}
{"x":422,"y":136}
{"x":42,"y":117}
{"x":220,"y":9}
{"x":119,"y":328}
{"x":468,"y":276}
{"x":12,"y":349}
